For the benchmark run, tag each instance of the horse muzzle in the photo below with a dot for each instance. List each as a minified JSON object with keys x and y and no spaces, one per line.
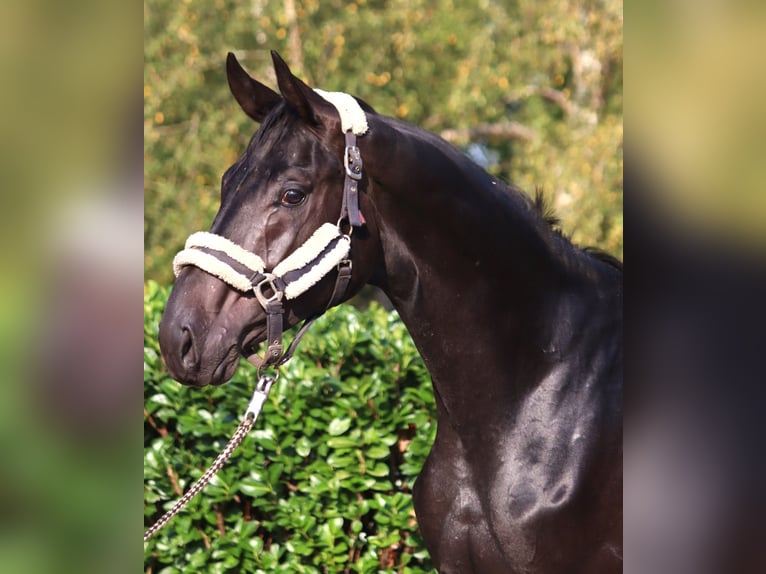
{"x":183,"y":344}
{"x":203,"y":329}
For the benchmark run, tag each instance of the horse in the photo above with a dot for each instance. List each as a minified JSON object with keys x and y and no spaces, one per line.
{"x":520,"y":330}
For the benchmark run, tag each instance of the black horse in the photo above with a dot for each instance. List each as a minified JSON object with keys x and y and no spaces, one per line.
{"x":520,"y":330}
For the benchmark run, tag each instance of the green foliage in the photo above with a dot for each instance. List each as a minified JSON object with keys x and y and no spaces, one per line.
{"x":322,"y":483}
{"x":450,"y":66}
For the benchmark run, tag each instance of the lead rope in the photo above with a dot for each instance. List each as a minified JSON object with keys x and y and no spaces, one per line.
{"x":254,"y":409}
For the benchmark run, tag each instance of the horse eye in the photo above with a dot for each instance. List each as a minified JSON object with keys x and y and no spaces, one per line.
{"x":293,"y":197}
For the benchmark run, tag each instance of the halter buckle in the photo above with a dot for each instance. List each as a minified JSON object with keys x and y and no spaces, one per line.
{"x":352,"y":161}
{"x":267,"y":283}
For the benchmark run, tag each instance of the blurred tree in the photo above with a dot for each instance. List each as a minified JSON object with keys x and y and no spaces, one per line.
{"x":533,"y":89}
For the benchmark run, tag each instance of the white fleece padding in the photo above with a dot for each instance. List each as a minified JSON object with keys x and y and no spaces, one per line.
{"x":352,"y":116}
{"x":322,"y":268}
{"x":219,"y":243}
{"x":211,"y":264}
{"x":306,"y":253}
{"x":298,"y":259}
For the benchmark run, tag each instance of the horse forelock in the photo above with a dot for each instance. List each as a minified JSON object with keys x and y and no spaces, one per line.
{"x":263,"y":150}
{"x":273,"y":127}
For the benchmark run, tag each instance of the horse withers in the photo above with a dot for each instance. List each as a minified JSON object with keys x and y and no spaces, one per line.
{"x":520,"y":330}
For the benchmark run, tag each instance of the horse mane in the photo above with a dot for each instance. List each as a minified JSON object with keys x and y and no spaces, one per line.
{"x":539,"y":204}
{"x":544,"y":209}
{"x":365,"y":106}
{"x":542,"y":206}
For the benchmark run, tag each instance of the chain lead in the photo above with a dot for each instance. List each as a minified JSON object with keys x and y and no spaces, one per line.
{"x":262,"y":389}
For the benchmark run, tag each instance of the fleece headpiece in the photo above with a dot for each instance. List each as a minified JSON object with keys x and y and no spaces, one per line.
{"x":352,"y":116}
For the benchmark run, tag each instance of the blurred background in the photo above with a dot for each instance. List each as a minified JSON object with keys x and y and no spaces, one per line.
{"x":695,"y":190}
{"x":71,"y":286}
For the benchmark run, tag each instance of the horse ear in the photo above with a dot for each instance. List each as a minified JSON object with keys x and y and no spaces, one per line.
{"x":253,"y":97}
{"x":311,"y":107}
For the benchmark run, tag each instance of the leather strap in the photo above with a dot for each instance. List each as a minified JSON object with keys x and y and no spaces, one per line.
{"x":352,"y":163}
{"x":341,"y":284}
{"x":274,"y":326}
{"x":275,"y":356}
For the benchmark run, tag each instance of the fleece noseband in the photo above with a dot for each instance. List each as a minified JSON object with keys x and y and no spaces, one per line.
{"x":293,"y":276}
{"x":328,"y":248}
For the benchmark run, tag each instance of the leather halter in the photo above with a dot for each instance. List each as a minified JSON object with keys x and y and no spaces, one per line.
{"x":329,"y":247}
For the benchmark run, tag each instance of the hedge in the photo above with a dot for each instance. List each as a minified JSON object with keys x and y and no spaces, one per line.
{"x":323,"y":482}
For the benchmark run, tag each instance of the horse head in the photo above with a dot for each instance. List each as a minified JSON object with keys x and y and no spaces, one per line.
{"x":288,"y":184}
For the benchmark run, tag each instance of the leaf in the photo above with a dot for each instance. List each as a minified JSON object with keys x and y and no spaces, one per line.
{"x":303,"y":447}
{"x":342,"y":442}
{"x":338,"y":426}
{"x":255,"y":489}
{"x":376,"y":452}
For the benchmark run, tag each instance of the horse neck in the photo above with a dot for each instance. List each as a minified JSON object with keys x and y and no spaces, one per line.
{"x":476,"y":275}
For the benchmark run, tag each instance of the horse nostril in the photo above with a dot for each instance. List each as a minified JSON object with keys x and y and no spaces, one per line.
{"x":188,"y":356}
{"x":186,"y":341}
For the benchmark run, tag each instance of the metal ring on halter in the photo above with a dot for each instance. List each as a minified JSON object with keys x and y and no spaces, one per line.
{"x":261,"y":376}
{"x":341,"y":219}
{"x":267,"y":282}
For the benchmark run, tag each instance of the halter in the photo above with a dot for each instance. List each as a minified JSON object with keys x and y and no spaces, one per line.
{"x":328,"y":248}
